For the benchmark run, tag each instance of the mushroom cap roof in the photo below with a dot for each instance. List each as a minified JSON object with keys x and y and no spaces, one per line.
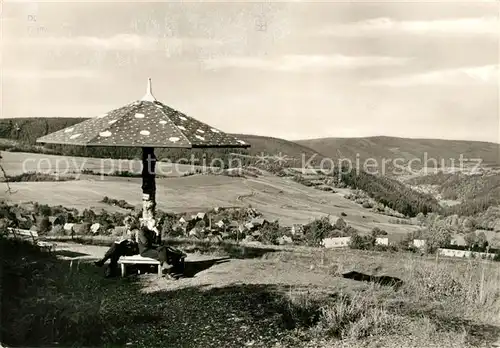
{"x":143,"y":123}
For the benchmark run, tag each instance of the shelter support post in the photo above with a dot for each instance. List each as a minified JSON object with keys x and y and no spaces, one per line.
{"x":148,"y":184}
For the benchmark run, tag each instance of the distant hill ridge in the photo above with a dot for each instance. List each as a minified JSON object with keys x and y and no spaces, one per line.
{"x":379,"y":147}
{"x":382,"y":189}
{"x":27,"y":130}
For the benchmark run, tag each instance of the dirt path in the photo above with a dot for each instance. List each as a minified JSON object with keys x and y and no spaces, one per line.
{"x":213,"y":271}
{"x":223,"y":303}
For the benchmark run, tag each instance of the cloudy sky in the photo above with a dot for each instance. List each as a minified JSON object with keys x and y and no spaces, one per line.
{"x":291,"y":69}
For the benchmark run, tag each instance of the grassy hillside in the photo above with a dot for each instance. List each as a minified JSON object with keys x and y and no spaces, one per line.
{"x":27,"y":130}
{"x":391,"y":147}
{"x":275,"y":197}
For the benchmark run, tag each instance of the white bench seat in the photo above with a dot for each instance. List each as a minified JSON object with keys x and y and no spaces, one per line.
{"x":137,"y":260}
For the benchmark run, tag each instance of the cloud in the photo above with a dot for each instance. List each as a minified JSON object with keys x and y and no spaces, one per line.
{"x":116,"y":42}
{"x":303,"y":62}
{"x":488,"y":74}
{"x":27,"y":74}
{"x":456,"y":26}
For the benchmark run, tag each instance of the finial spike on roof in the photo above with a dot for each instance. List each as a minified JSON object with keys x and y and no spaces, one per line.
{"x":149,"y":94}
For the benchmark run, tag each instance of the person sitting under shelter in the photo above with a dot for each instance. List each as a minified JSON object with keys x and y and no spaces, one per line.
{"x":126,"y":246}
{"x":150,"y":245}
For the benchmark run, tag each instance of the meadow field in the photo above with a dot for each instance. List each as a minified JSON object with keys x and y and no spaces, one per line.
{"x":277,"y":198}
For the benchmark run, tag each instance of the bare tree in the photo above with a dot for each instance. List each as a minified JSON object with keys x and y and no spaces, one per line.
{"x":9,"y":190}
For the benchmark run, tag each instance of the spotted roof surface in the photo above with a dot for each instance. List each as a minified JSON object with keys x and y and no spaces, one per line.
{"x":144,"y":123}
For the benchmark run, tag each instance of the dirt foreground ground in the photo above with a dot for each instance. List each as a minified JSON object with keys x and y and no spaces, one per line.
{"x":233,"y":302}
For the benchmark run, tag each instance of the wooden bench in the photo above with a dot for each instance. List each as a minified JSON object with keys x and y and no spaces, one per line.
{"x":33,"y":235}
{"x":137,"y":260}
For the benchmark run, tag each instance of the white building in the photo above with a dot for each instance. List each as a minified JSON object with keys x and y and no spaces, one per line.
{"x":382,"y":241}
{"x":338,"y":242}
{"x":419,"y":243}
{"x":464,"y":253}
{"x":297,"y":229}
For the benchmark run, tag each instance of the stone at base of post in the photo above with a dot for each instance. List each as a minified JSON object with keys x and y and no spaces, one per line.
{"x":148,"y":208}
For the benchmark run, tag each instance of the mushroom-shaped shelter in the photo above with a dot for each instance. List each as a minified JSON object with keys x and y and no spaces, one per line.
{"x":145,"y":123}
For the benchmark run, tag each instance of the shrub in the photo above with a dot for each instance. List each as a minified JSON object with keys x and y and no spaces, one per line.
{"x":410,"y":248}
{"x":356,"y":317}
{"x":61,"y":219}
{"x":406,"y":243}
{"x":43,"y":209}
{"x":436,"y":237}
{"x":301,"y":180}
{"x":399,"y":221}
{"x":349,"y":231}
{"x":58,"y":210}
{"x":117,"y":218}
{"x":326,"y":188}
{"x":340,"y":224}
{"x":317,"y":230}
{"x":360,"y":242}
{"x":104,"y":219}
{"x":4,"y":223}
{"x":482,"y":241}
{"x":200,"y":224}
{"x":341,"y":184}
{"x":26,"y":224}
{"x":126,"y":174}
{"x":497,"y":256}
{"x":167,"y":229}
{"x":72,"y":216}
{"x":57,"y":230}
{"x":378,"y":232}
{"x":160,"y":217}
{"x":335,"y":234}
{"x":84,"y":229}
{"x":270,"y":233}
{"x":367,"y":205}
{"x":421,"y":219}
{"x":119,"y":203}
{"x":88,"y":215}
{"x":44,"y":225}
{"x":432,"y":282}
{"x":300,"y":310}
{"x":6,"y":213}
{"x":386,"y":248}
